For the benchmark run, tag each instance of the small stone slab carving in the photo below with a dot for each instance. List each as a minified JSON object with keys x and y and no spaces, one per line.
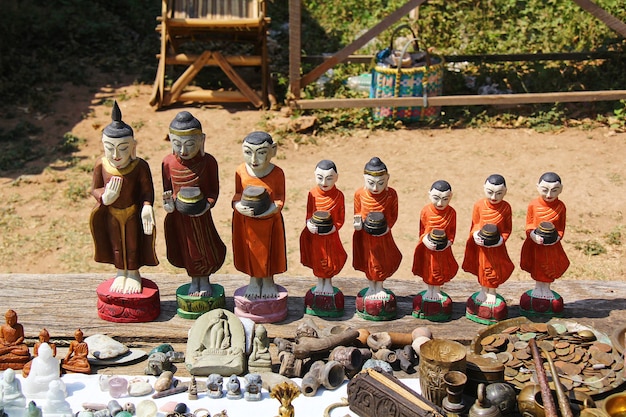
{"x":216,"y":345}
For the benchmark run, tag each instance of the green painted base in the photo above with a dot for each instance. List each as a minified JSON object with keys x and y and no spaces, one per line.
{"x":193,"y":307}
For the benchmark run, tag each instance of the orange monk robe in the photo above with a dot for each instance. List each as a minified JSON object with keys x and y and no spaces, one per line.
{"x":377,"y":256}
{"x":435,"y":267}
{"x":259,"y":248}
{"x":545,"y":263}
{"x":491,"y":265}
{"x":324,"y":254}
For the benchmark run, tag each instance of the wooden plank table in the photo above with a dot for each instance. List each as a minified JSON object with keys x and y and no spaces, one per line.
{"x":64,"y":302}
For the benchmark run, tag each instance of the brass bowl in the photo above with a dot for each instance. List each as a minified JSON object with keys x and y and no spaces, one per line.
{"x":615,"y":405}
{"x":571,"y":326}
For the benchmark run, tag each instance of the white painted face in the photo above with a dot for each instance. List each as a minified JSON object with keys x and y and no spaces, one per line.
{"x":258,"y":157}
{"x":549,"y":191}
{"x":495,"y":193}
{"x":376,"y":184}
{"x":325,"y":178}
{"x":187,"y":146}
{"x":119,"y":151}
{"x":440,"y":199}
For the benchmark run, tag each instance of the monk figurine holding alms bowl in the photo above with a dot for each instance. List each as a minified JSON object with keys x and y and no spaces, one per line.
{"x":433,"y":260}
{"x":486,"y":255}
{"x":190,"y":190}
{"x":320,"y":243}
{"x":259,"y":248}
{"x":542,"y":252}
{"x":374,"y":250}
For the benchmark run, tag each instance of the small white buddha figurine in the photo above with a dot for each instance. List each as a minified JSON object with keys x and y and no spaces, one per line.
{"x":44,"y":369}
{"x":11,"y":393}
{"x":55,"y":403}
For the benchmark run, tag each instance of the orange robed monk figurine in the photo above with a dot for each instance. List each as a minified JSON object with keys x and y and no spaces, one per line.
{"x":320,"y":243}
{"x":374,"y":250}
{"x":485,"y":252}
{"x":14,"y":352}
{"x":433,"y":259}
{"x":76,"y":358}
{"x":191,"y":188}
{"x":542,"y":252}
{"x":259,"y":248}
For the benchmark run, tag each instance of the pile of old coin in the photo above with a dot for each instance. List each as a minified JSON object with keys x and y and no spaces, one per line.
{"x":584,"y":363}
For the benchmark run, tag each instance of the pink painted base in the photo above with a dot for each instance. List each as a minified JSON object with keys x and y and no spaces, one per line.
{"x":129,"y":308}
{"x":261,"y":310}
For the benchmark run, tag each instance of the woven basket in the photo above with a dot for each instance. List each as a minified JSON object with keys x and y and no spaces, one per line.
{"x":425,"y":80}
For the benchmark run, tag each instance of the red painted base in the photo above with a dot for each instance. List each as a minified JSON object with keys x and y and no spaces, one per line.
{"x":375,"y":309}
{"x":269,"y":310}
{"x":324,"y":305}
{"x":432,"y":310}
{"x":486,"y":313}
{"x":129,"y":308}
{"x":530,"y":306}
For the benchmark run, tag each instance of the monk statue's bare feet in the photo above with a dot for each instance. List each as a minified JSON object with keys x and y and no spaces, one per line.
{"x":433,"y":293}
{"x":319,"y":288}
{"x":482,"y":296}
{"x":491,"y":299}
{"x":194,"y":287}
{"x":253,"y":291}
{"x":542,"y":290}
{"x":268,"y":288}
{"x":376,"y":291}
{"x":118,"y":282}
{"x":205,"y":287}
{"x":328,"y":287}
{"x":132,"y":285}
{"x":200,"y":287}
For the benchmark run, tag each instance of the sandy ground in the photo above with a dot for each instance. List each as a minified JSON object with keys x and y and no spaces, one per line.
{"x":45,"y":231}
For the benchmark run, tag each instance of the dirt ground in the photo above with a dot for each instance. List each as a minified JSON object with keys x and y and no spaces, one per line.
{"x":45,"y":207}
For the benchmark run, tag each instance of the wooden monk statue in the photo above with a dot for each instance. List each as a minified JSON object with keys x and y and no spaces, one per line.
{"x":76,"y":358}
{"x":433,"y":260}
{"x":486,"y":255}
{"x":259,"y":248}
{"x":542,"y":252}
{"x":374,"y":249}
{"x":191,"y":188}
{"x":320,"y":243}
{"x":122,"y":226}
{"x":14,"y":352}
